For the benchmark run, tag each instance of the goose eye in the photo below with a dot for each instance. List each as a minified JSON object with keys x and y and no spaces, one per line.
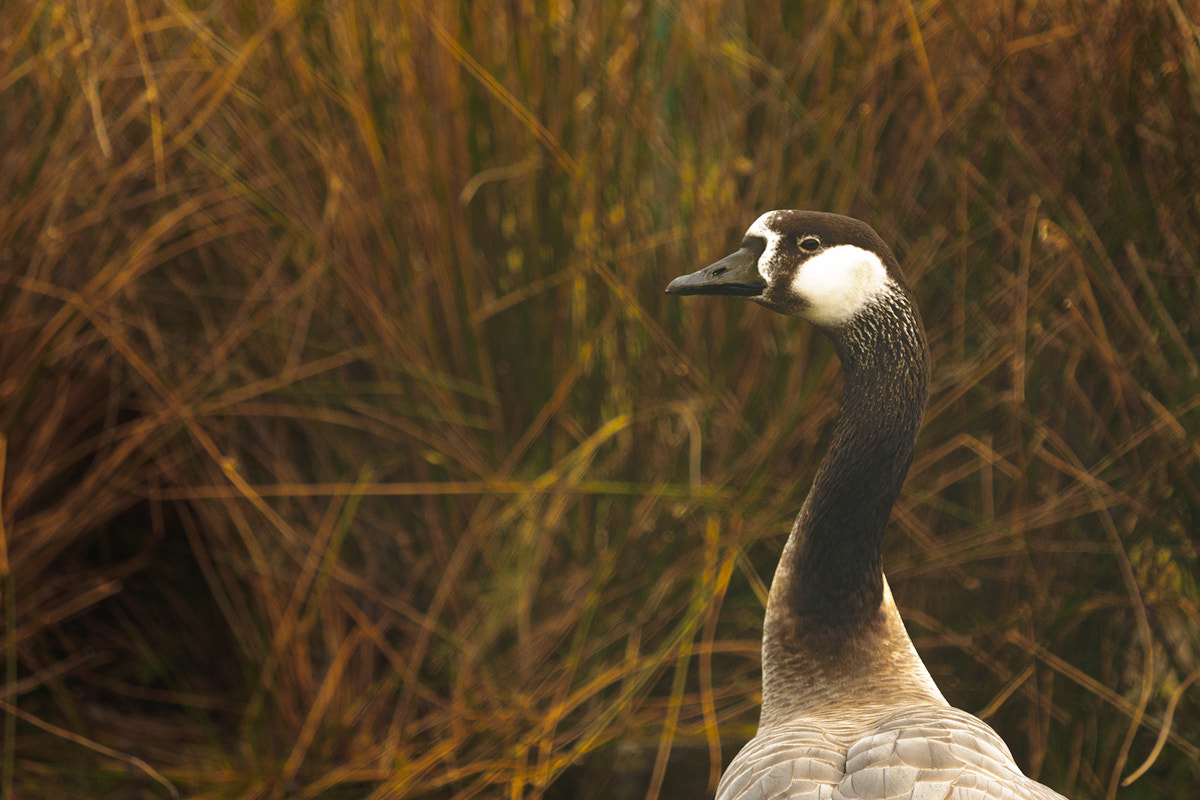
{"x":810,"y":244}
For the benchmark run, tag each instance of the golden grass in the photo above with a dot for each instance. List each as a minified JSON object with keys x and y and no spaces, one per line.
{"x":351,"y":449}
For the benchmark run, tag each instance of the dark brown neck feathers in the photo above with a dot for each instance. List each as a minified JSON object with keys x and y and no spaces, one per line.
{"x":836,"y":573}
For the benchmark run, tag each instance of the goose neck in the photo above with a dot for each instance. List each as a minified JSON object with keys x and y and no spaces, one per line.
{"x":830,"y":578}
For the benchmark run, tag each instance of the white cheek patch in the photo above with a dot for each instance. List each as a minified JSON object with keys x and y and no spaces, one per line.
{"x":839,"y":283}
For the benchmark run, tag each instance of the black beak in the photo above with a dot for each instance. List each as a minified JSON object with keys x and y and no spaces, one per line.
{"x":735,"y":274}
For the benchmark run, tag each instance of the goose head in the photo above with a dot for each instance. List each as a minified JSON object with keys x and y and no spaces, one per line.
{"x":826,"y":268}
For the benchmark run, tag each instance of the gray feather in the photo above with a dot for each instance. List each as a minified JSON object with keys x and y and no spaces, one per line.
{"x":929,"y":752}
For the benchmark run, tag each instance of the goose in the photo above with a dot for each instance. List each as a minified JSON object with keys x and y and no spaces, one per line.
{"x":848,"y":708}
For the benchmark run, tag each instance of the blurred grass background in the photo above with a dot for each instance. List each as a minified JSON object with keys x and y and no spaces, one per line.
{"x":351,"y":449}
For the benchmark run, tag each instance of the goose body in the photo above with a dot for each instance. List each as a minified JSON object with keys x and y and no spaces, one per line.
{"x":849,"y":709}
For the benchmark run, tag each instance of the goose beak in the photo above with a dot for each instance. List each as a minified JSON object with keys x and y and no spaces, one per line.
{"x":735,"y":274}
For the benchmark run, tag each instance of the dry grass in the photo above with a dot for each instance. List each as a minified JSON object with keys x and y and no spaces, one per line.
{"x":351,"y":449}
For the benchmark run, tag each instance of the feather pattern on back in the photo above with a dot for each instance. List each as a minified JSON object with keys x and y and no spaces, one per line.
{"x":928,"y":752}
